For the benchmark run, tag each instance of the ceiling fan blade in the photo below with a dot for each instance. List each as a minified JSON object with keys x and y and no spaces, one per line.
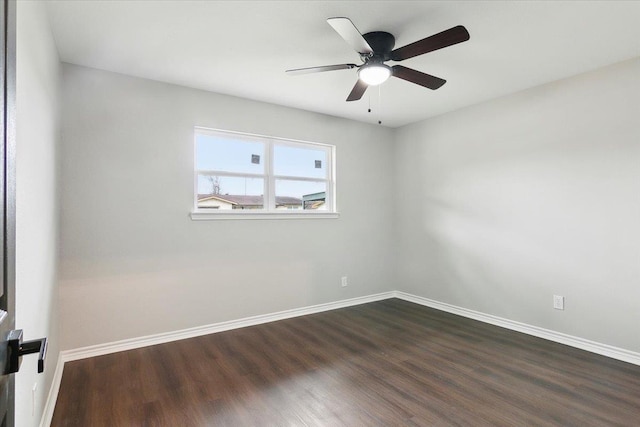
{"x":350,"y":34}
{"x":446,"y":38}
{"x":417,"y":77}
{"x":308,"y":70}
{"x":357,"y":91}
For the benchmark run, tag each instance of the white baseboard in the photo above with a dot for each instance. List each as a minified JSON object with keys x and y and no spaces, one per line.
{"x":133,"y":343}
{"x":144,"y":341}
{"x":577,"y":342}
{"x":50,"y":404}
{"x":129,"y":344}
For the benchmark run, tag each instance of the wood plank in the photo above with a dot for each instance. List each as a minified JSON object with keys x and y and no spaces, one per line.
{"x":390,"y":362}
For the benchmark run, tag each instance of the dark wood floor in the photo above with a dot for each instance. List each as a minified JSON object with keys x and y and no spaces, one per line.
{"x":388,"y":363}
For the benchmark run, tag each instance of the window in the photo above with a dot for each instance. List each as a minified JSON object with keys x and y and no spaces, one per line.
{"x":241,"y":175}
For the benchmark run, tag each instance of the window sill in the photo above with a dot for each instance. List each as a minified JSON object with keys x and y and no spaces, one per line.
{"x":208,"y":216}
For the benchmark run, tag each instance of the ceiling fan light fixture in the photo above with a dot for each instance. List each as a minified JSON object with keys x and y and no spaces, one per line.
{"x":374,"y":74}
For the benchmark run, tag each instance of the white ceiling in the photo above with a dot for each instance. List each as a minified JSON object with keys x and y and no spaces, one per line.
{"x":242,"y":48}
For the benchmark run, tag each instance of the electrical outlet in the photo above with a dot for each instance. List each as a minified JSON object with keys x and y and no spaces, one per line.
{"x":344,"y":281}
{"x":558,"y":302}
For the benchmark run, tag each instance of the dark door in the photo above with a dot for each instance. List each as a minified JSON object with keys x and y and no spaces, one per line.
{"x":7,"y":204}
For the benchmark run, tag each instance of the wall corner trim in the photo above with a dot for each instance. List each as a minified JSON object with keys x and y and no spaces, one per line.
{"x":133,"y":343}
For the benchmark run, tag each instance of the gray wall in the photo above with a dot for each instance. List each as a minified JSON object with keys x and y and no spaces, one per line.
{"x":493,"y":208}
{"x":37,"y":140}
{"x":506,"y":203}
{"x":133,"y":263}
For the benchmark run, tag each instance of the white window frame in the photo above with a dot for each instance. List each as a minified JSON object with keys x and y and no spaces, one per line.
{"x":269,"y":178}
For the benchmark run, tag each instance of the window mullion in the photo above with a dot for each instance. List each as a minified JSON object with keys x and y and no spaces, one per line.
{"x":300,"y":178}
{"x":270,"y":182}
{"x":233,"y":174}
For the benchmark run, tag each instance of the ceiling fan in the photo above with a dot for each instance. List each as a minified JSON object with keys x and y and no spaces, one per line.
{"x":376,"y":47}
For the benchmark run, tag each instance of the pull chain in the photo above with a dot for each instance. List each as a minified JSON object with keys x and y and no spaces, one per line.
{"x":379,"y":104}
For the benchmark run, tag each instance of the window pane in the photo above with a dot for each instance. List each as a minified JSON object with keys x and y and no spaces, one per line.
{"x":296,"y":161}
{"x":305,"y":195}
{"x":229,"y":154}
{"x":230,"y":192}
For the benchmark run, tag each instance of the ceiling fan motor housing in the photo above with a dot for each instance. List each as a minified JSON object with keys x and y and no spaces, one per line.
{"x":381,"y":42}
